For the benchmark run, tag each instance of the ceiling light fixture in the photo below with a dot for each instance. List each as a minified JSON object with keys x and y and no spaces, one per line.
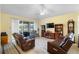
{"x":43,"y":10}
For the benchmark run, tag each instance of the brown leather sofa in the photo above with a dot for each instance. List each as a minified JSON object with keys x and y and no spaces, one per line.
{"x":24,"y":43}
{"x":56,"y":47}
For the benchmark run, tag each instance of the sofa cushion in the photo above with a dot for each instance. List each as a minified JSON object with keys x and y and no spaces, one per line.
{"x":63,"y":41}
{"x":71,"y":35}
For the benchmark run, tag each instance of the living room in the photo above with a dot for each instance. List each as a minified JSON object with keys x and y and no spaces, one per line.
{"x":44,"y":27}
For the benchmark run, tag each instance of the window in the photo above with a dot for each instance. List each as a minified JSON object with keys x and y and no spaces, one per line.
{"x":25,"y":26}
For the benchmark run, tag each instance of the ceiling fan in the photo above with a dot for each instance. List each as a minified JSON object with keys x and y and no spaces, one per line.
{"x":44,"y":12}
{"x":43,"y":9}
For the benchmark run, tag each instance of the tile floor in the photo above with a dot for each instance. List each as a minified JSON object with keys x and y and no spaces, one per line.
{"x":40,"y":47}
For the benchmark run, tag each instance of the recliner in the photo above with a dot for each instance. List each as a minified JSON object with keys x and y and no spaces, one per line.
{"x":55,"y":48}
{"x":24,"y":43}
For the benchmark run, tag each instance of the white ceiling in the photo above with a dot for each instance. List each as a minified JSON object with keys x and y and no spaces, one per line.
{"x":33,"y":10}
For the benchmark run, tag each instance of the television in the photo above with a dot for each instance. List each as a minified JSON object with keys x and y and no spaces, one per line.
{"x":50,"y":25}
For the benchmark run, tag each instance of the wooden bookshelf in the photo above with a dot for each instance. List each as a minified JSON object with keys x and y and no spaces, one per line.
{"x":59,"y":28}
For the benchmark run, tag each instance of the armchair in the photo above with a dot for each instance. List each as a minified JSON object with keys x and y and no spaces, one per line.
{"x":56,"y":48}
{"x":23,"y":43}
